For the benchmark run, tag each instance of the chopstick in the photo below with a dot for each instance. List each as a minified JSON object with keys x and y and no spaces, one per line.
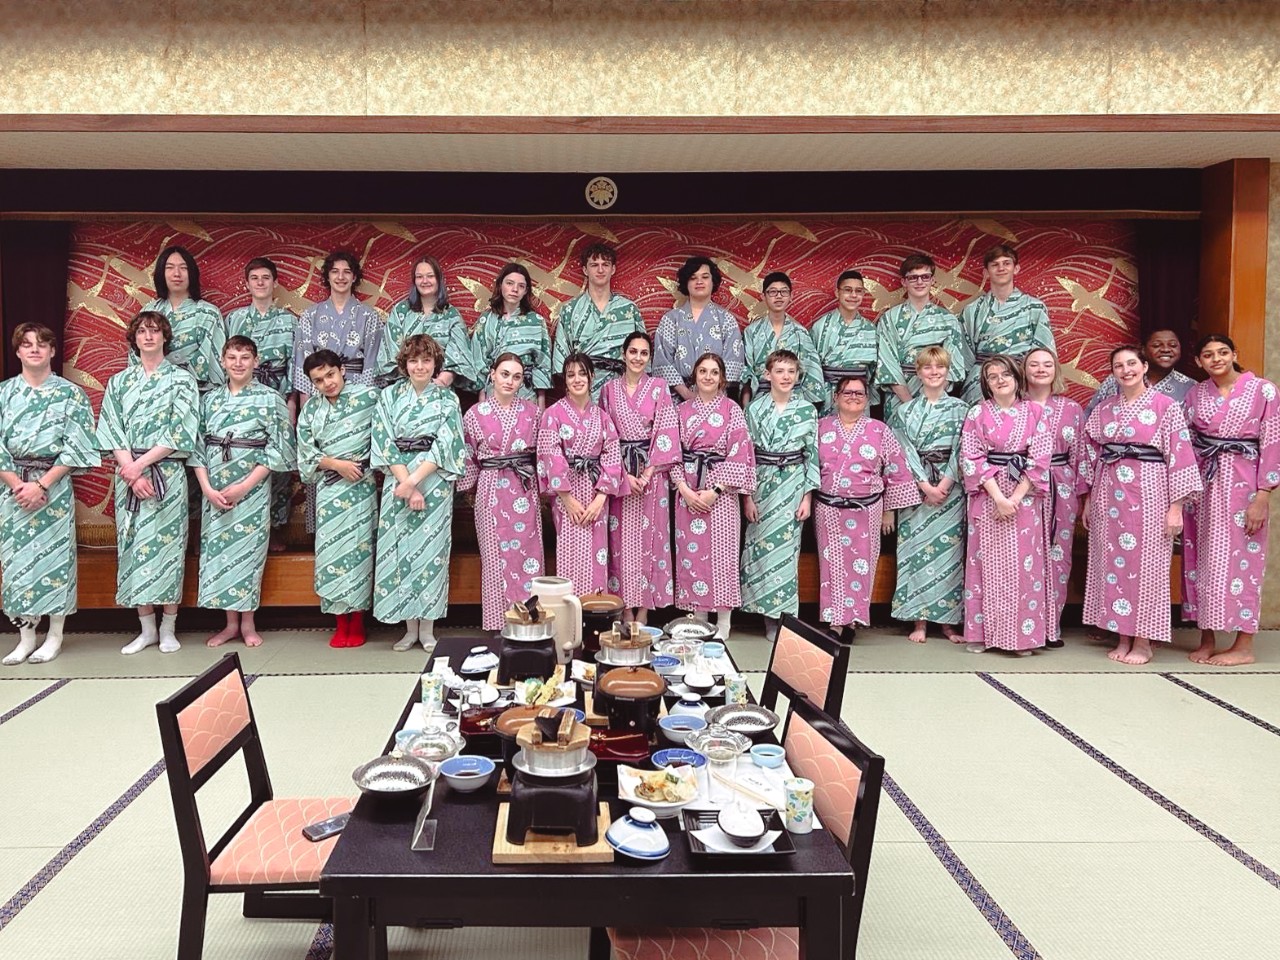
{"x":758,"y":798}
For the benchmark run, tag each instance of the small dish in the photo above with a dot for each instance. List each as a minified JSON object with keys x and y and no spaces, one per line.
{"x":629,"y":779}
{"x":678,"y":727}
{"x":677,"y":757}
{"x":467,"y":774}
{"x":699,"y":682}
{"x":666,"y":664}
{"x":768,"y":755}
{"x":748,"y":719}
{"x":741,"y":824}
{"x":394,"y":776}
{"x":653,"y":633}
{"x":637,"y":835}
{"x":713,"y":649}
{"x":698,"y":821}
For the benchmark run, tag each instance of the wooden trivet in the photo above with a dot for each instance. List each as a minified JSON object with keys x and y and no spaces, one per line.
{"x":550,"y":848}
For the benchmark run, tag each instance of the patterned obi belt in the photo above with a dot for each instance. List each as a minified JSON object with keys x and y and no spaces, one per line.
{"x":933,"y":458}
{"x":635,"y":456}
{"x":1144,"y":452}
{"x":1209,"y":448}
{"x":607,"y":364}
{"x":1062,"y":459}
{"x":704,"y":460}
{"x":833,"y":375}
{"x":521,"y":462}
{"x":779,"y":458}
{"x":132,"y":502}
{"x":848,"y":503}
{"x":351,"y":364}
{"x":415,"y":444}
{"x":333,"y":476}
{"x":270,"y":373}
{"x":28,"y":468}
{"x":588,"y":465}
{"x":230,"y":441}
{"x":1015,"y":462}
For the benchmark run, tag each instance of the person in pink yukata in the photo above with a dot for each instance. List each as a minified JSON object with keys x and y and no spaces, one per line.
{"x":1142,"y":468}
{"x":1234,"y":418}
{"x":1064,"y":419}
{"x":1005,"y":451}
{"x":501,"y":436}
{"x":640,"y":519}
{"x":579,"y":465}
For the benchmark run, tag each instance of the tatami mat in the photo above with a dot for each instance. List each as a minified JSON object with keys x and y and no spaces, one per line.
{"x":17,"y":692}
{"x":1255,"y":694}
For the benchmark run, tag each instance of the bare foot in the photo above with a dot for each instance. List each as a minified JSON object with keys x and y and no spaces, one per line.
{"x":252,"y":638}
{"x":1139,"y":654}
{"x":1121,"y":650}
{"x":1231,"y":658}
{"x":1204,"y":653}
{"x":1099,"y":635}
{"x":223,"y":636}
{"x":277,"y":545}
{"x":952,"y":635}
{"x":917,"y":635}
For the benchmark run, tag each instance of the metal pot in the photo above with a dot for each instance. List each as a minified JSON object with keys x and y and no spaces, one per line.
{"x":631,"y":698}
{"x":620,"y":649}
{"x":542,"y":630}
{"x":560,"y":753}
{"x":599,"y":612}
{"x":506,"y":726}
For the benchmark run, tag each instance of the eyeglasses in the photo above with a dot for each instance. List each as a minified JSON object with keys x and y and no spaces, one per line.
{"x":778,"y":292}
{"x":853,"y":393}
{"x":997,"y":376}
{"x":918,"y":277}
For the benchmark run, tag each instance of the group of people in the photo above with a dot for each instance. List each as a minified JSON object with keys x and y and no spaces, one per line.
{"x":980,"y":463}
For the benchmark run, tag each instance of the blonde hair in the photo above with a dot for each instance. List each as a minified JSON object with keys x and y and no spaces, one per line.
{"x":934,"y":354}
{"x":1059,"y":385}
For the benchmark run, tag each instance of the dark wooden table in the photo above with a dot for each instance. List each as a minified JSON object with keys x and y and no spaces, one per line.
{"x":375,"y":879}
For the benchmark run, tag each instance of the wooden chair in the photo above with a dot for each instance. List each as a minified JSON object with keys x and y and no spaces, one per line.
{"x":847,"y":777}
{"x":263,"y":853}
{"x":809,"y":662}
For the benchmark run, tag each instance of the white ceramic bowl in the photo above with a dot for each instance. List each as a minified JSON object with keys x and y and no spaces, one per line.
{"x":467,"y":774}
{"x":679,"y":727}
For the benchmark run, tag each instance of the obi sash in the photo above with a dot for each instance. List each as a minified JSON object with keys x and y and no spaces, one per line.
{"x":933,"y":458}
{"x":1209,"y":448}
{"x":521,"y":462}
{"x":1015,"y":462}
{"x":230,"y":441}
{"x":333,"y":476}
{"x":588,"y":465}
{"x":848,"y":503}
{"x":779,"y":458}
{"x":635,"y":456}
{"x":29,"y":467}
{"x":833,"y":375}
{"x":132,"y":502}
{"x":270,"y":373}
{"x":704,"y":460}
{"x":1144,"y":452}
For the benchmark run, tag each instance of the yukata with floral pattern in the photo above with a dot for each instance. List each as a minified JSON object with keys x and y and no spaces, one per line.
{"x":759,"y":341}
{"x":640,"y":523}
{"x":51,"y":423}
{"x":583,"y":328}
{"x":141,"y":411}
{"x":445,"y":327}
{"x":863,"y":460}
{"x":1004,"y":584}
{"x":1175,"y":384}
{"x":1068,"y":470}
{"x":903,"y":333}
{"x":1127,"y":586}
{"x":578,"y":453}
{"x":346,"y":511}
{"x":507,"y":509}
{"x":680,"y":340}
{"x":1223,"y":567}
{"x":706,"y":557}
{"x":771,"y":545}
{"x":198,"y":337}
{"x":1011,"y":328}
{"x":845,"y":348}
{"x":354,"y":333}
{"x":411,"y":578}
{"x":233,"y":543}
{"x":931,"y":539}
{"x":525,"y":335}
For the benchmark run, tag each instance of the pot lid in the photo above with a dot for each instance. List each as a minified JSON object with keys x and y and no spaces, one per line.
{"x":632,"y":683}
{"x":513,"y":718}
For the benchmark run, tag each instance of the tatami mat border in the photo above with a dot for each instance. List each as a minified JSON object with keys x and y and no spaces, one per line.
{"x":1148,"y":791}
{"x":33,"y":700}
{"x":1225,"y":705}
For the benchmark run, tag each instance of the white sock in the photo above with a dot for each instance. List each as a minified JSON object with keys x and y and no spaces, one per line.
{"x":427,"y":634}
{"x":168,"y":633}
{"x":146,"y":638}
{"x":410,"y":638}
{"x":52,"y":645}
{"x":722,"y":623}
{"x":26,"y":644}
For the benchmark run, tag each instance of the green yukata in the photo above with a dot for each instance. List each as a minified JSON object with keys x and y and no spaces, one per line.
{"x":841,"y":345}
{"x":198,"y":338}
{"x":582,"y":328}
{"x":759,"y":341}
{"x":931,"y":540}
{"x":991,"y":328}
{"x":525,"y":335}
{"x":772,"y":544}
{"x":446,"y":328}
{"x":141,"y":411}
{"x":412,"y":581}
{"x":346,"y":512}
{"x":904,"y":332}
{"x":41,"y":427}
{"x":237,"y":433}
{"x":272,"y":333}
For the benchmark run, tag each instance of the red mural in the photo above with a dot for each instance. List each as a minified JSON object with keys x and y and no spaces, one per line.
{"x":1083,"y":270}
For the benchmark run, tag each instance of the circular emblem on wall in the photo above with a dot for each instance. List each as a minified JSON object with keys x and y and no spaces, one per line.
{"x":601,"y":193}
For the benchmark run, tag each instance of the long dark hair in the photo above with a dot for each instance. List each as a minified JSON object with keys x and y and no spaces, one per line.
{"x":497,"y":304}
{"x":1218,"y":338}
{"x":193,"y":272}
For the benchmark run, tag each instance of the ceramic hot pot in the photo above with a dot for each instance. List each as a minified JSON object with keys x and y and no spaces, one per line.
{"x":631,"y":698}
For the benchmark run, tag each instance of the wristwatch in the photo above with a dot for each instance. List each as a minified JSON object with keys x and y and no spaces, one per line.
{"x":717,"y":488}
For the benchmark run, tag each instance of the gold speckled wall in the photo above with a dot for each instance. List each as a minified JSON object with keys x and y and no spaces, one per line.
{"x":622,"y":57}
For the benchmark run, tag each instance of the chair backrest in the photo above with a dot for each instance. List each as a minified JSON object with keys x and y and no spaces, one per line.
{"x":809,"y":662}
{"x":202,"y":726}
{"x":847,"y":777}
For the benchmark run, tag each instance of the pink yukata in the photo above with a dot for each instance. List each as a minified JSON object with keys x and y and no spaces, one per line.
{"x":578,"y":454}
{"x":714,"y":438}
{"x":1127,"y":587}
{"x":1068,"y":481}
{"x":507,"y":509}
{"x":640,"y":523}
{"x":1005,"y":598}
{"x":863,"y":461}
{"x":1222,"y":566}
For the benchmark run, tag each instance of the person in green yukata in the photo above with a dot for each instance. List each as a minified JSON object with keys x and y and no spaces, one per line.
{"x":777,"y":330}
{"x":511,"y":325}
{"x":245,"y":437}
{"x":198,"y":330}
{"x":46,"y":434}
{"x":847,"y":343}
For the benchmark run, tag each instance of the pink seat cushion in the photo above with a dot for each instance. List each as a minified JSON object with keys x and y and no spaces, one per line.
{"x":271,"y":848}
{"x":699,"y":943}
{"x":803,"y":665}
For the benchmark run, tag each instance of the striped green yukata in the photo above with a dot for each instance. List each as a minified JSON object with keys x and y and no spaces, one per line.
{"x":52,"y":422}
{"x":198,"y":338}
{"x":233,"y":543}
{"x":412,"y":569}
{"x":582,"y":328}
{"x":759,"y":341}
{"x":903,"y":334}
{"x":1014,"y":328}
{"x":845,"y":345}
{"x":931,"y":540}
{"x":141,"y":411}
{"x":346,"y":513}
{"x":772,"y":544}
{"x":525,"y":335}
{"x":445,"y":328}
